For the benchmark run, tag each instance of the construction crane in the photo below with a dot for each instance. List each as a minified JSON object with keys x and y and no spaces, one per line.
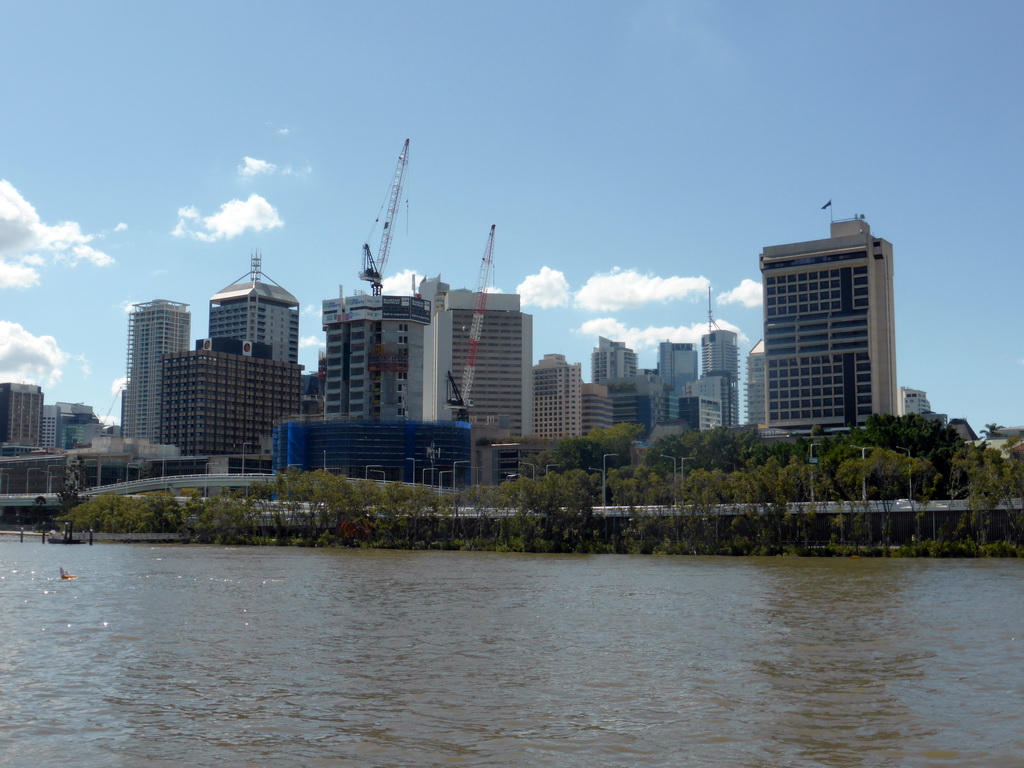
{"x":460,"y":399}
{"x":373,"y":268}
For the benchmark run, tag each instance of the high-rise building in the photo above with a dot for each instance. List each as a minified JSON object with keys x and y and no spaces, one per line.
{"x":611,"y":360}
{"x":701,"y":403}
{"x":49,"y":426}
{"x":557,"y":398}
{"x":502,"y":389}
{"x":155,"y":328}
{"x":829,"y":330}
{"x":913,"y":401}
{"x":756,"y":385}
{"x":374,"y":368}
{"x":225,"y":396}
{"x":21,"y":413}
{"x":597,"y":408}
{"x":677,"y":364}
{"x":720,"y":359}
{"x":78,"y":426}
{"x":642,"y":399}
{"x":258,"y":310}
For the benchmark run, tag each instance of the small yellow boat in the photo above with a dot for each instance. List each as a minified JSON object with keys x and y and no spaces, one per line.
{"x":67,"y":576}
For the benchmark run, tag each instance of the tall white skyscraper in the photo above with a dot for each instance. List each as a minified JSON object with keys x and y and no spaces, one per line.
{"x":720,"y":359}
{"x":258,"y":309}
{"x":154,"y":328}
{"x":611,"y":360}
{"x":502,"y":389}
{"x":829,"y":330}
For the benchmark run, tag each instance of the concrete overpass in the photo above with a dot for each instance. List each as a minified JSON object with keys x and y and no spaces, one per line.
{"x":174,"y":484}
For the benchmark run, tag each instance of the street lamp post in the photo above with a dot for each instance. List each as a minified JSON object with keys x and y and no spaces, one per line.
{"x":547,"y":467}
{"x":243,"y":455}
{"x":366,"y":475}
{"x":325,"y":459}
{"x":433,"y":473}
{"x":864,"y":478}
{"x":413,"y":460}
{"x":440,"y":479}
{"x":813,"y":461}
{"x":533,"y":469}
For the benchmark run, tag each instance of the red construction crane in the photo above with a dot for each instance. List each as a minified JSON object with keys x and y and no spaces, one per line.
{"x":373,"y":269}
{"x":460,"y":398}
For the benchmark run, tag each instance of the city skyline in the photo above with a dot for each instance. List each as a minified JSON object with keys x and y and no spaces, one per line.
{"x":638,"y":157}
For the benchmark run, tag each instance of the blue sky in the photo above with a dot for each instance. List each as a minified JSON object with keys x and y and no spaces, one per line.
{"x":632,"y":155}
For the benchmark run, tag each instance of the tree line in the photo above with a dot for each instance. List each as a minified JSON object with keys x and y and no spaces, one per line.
{"x":551,"y":505}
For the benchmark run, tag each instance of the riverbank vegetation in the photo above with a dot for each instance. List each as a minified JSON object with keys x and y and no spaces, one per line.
{"x":713,"y":492}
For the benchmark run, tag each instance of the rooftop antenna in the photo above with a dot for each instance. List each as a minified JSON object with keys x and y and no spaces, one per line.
{"x":256,"y":264}
{"x":712,"y":325}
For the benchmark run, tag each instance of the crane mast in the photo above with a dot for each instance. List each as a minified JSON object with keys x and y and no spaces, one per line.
{"x":373,"y":269}
{"x":477,"y":326}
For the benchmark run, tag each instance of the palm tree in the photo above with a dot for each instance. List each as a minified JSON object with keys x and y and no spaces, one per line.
{"x":992,"y":430}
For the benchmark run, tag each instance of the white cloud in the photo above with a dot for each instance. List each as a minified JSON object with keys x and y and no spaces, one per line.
{"x":23,"y":236}
{"x":303,"y":172}
{"x":117,"y":385}
{"x":311,"y":341}
{"x":639,"y":339}
{"x":253,"y":167}
{"x":235,"y":217}
{"x":400,"y":284}
{"x":121,"y":227}
{"x":548,"y":288}
{"x":14,"y":274}
{"x":627,"y":288}
{"x":748,"y":293}
{"x":28,"y":358}
{"x":90,"y":254}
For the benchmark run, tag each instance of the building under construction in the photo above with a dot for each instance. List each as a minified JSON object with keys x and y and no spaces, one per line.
{"x":436,"y":453}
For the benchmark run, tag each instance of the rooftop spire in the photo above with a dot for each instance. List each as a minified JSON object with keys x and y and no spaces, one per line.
{"x":256,"y":265}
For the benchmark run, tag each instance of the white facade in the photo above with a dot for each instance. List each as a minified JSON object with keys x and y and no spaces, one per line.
{"x":49,"y":426}
{"x":913,"y":401}
{"x":720,"y":359}
{"x":611,"y":360}
{"x":254,"y":310}
{"x":709,"y":390}
{"x":502,"y":390}
{"x":154,"y":328}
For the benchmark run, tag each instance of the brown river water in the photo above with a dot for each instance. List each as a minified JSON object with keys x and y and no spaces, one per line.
{"x":204,"y":656}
